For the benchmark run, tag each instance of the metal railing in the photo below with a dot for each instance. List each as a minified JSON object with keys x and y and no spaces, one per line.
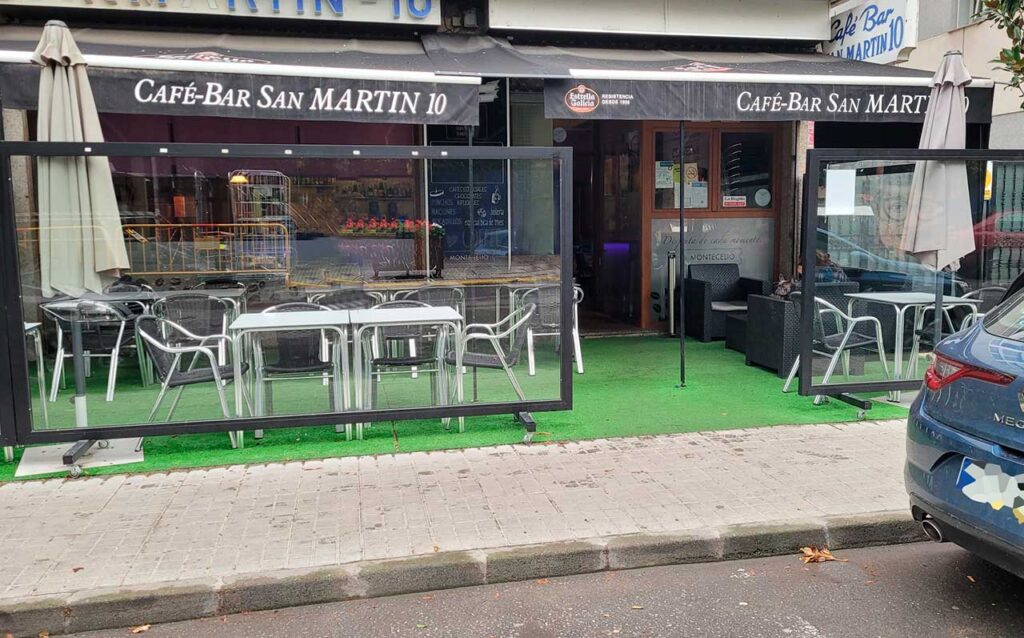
{"x":197,"y":249}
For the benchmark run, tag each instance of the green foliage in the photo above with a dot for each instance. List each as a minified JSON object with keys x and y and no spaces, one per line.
{"x":1008,"y":15}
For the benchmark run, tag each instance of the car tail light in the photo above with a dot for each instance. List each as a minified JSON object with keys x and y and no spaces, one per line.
{"x":944,"y":371}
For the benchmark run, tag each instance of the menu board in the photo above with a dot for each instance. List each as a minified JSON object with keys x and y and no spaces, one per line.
{"x":469,"y":198}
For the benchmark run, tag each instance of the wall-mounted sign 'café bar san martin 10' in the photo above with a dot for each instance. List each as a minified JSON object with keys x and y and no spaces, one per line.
{"x":423,"y":12}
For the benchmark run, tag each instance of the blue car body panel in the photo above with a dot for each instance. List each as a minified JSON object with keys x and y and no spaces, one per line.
{"x":965,"y":451}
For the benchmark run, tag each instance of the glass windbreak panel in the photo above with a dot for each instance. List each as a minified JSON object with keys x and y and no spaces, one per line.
{"x":692,"y":174}
{"x":874,"y":268}
{"x":746,"y":242}
{"x":747,"y":160}
{"x":282,"y":287}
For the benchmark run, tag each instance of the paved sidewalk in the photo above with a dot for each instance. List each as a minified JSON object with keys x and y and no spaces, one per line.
{"x":63,"y":536}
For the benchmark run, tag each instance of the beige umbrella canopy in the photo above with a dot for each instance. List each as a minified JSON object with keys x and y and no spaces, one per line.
{"x":938,"y":228}
{"x":81,"y":245}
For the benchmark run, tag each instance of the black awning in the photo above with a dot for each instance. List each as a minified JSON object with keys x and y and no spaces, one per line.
{"x":702,"y":85}
{"x":247,"y":76}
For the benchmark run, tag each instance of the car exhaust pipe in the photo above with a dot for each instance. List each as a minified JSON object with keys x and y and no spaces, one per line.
{"x":932,"y":530}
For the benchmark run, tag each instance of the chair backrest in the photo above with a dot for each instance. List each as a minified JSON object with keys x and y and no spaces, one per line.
{"x":198,"y":313}
{"x":152,"y":331}
{"x":102,"y":324}
{"x":724,"y":279}
{"x":547,"y":302}
{"x":424,"y":336}
{"x":292,"y":350}
{"x":526,"y":315}
{"x":990,"y":297}
{"x":824,"y":322}
{"x":451,"y":296}
{"x":127,"y":286}
{"x":345,"y":299}
{"x":219,"y":284}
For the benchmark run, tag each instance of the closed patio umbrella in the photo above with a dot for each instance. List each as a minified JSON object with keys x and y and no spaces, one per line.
{"x":938,"y":228}
{"x":81,"y":246}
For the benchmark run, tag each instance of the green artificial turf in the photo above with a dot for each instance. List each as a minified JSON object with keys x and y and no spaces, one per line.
{"x":630,"y":388}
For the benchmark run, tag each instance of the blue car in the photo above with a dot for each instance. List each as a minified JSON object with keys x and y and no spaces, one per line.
{"x":965,"y":440}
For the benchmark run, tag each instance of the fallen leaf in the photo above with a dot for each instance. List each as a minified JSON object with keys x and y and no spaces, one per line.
{"x":818,"y":555}
{"x":637,"y":607}
{"x":971,"y":578}
{"x":44,"y":634}
{"x":75,"y":570}
{"x":421,"y":625}
{"x":427,"y":597}
{"x":869,"y":582}
{"x":141,"y":629}
{"x":542,"y":581}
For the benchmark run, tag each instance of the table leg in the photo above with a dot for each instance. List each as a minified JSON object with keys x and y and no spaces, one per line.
{"x":357,"y":374}
{"x":459,"y":396}
{"x":901,"y":314}
{"x":8,"y":454}
{"x":341,"y":379}
{"x":236,"y":362}
{"x":41,"y":374}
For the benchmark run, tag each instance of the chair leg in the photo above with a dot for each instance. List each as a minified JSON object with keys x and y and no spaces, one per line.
{"x":159,"y":400}
{"x":112,"y":374}
{"x":58,"y":371}
{"x":530,"y":361}
{"x":412,"y":353}
{"x":515,"y":382}
{"x":818,"y":400}
{"x":578,"y":348}
{"x":846,"y":365}
{"x":174,"y":402}
{"x":792,"y":374}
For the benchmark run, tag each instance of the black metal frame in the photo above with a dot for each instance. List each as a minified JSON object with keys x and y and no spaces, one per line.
{"x":14,"y":375}
{"x":816,"y":158}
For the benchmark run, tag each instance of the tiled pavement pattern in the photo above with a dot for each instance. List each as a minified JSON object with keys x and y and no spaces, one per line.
{"x":70,"y":535}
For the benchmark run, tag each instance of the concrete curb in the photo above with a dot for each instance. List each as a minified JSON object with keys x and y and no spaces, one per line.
{"x":200,"y":598}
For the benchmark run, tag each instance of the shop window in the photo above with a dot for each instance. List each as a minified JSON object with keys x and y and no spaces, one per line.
{"x":693,"y":174}
{"x":746,"y":178}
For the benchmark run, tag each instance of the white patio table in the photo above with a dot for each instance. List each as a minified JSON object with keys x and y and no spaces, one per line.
{"x":335,"y":321}
{"x":902,"y":302}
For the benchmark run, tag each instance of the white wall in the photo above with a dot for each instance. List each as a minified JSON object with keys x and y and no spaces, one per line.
{"x":791,"y":19}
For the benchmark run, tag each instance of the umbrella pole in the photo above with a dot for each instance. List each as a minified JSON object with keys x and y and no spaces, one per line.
{"x":78,"y":357}
{"x":77,"y":450}
{"x":681,"y":261}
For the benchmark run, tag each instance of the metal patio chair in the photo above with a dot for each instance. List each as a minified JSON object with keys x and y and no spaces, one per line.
{"x":162,"y":339}
{"x":404,"y":349}
{"x":290,"y":354}
{"x":547,"y":321}
{"x":200,"y":314}
{"x":495,"y":351}
{"x":836,"y":334}
{"x":106,"y":333}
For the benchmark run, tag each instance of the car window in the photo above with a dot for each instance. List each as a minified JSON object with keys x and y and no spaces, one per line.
{"x":1007,"y":319}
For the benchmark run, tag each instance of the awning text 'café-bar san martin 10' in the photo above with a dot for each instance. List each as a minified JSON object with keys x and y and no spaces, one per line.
{"x":252,"y":77}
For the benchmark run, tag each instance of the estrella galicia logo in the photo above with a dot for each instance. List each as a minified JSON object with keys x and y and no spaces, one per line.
{"x":582,"y":99}
{"x":206,"y":56}
{"x":697,"y":67}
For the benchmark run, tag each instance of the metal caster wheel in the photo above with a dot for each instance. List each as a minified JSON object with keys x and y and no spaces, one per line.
{"x":74,"y":471}
{"x":528,"y":438}
{"x":103,"y":444}
{"x":862,"y":414}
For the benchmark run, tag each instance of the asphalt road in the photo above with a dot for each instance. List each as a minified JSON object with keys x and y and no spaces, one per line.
{"x":921,"y":590}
